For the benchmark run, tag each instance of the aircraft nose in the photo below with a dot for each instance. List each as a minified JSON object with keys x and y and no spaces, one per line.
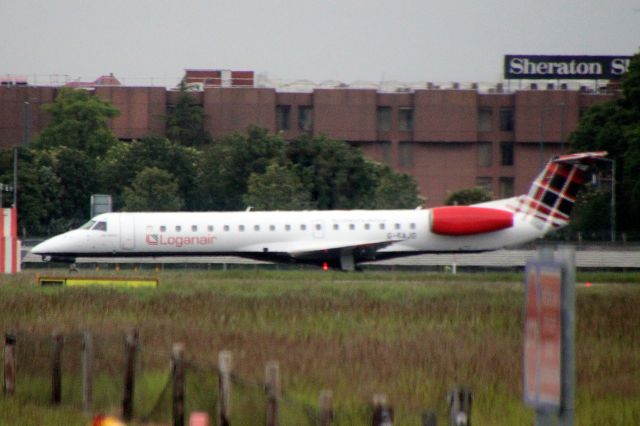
{"x":57,"y":244}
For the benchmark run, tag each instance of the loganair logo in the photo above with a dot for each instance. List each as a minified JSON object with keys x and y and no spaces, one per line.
{"x":161,"y":240}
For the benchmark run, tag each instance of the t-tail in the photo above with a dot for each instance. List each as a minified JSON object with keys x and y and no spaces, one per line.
{"x":553,"y":193}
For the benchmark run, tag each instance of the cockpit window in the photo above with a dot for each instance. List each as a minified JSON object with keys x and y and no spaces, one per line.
{"x":88,"y":225}
{"x":100,"y":226}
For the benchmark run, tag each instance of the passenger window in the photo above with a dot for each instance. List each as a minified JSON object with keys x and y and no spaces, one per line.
{"x":163,"y":228}
{"x":194,"y":228}
{"x":382,"y":227}
{"x":412,"y":226}
{"x":241,"y":228}
{"x":226,"y":228}
{"x":100,"y":226}
{"x":318,"y":227}
{"x":210,"y":228}
{"x":367,"y":226}
{"x":272,"y":227}
{"x":397,"y":226}
{"x":287,"y":227}
{"x":256,"y":227}
{"x":303,"y":227}
{"x":336,"y":227}
{"x":178,"y":228}
{"x":352,"y":226}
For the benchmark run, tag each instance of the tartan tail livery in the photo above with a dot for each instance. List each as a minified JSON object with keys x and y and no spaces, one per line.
{"x":553,"y":193}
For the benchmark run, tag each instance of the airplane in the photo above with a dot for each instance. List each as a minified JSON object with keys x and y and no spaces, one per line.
{"x":334,"y":238}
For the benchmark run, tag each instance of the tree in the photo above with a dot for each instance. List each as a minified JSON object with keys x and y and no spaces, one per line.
{"x":337,"y":174}
{"x":468,"y":196}
{"x":396,"y":190}
{"x":185,"y":123}
{"x":124,"y":161}
{"x":227,"y":164}
{"x":79,"y":121}
{"x":615,"y":127}
{"x":153,"y":189}
{"x":278,"y":188}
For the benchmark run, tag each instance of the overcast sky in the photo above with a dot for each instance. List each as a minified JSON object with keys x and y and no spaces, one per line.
{"x":346,"y":40}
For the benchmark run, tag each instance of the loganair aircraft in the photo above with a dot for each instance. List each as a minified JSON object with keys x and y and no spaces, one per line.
{"x":336,"y":238}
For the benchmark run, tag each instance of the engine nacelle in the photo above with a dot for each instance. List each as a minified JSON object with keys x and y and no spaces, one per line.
{"x":469,"y":220}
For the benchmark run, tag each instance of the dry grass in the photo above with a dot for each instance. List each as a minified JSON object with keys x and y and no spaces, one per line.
{"x":411,"y":336}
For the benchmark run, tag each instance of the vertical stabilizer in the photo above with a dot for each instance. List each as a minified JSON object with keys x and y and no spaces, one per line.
{"x":553,"y":193}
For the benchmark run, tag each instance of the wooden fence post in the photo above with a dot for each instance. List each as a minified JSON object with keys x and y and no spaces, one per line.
{"x":382,"y":412}
{"x":9,"y":386}
{"x":460,"y":406}
{"x":326,"y":408}
{"x":429,"y":418}
{"x":130,"y":344}
{"x":224,"y":387}
{"x":56,"y":368}
{"x":272,"y":380}
{"x":87,"y":372}
{"x":177,"y":367}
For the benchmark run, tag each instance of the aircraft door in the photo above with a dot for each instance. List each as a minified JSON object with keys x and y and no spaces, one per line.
{"x":318,"y":229}
{"x":127,"y":231}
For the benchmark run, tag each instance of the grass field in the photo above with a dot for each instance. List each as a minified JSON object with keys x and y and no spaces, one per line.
{"x":411,"y":336}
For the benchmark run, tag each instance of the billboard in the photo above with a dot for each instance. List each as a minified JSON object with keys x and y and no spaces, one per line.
{"x":565,"y":67}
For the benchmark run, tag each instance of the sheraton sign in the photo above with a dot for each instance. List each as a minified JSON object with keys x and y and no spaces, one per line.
{"x":565,"y":67}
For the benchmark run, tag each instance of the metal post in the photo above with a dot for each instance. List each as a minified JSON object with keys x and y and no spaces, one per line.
{"x":567,"y":255}
{"x":87,"y":372}
{"x":613,"y":201}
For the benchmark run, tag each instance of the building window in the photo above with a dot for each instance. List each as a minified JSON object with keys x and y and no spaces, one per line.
{"x":507,"y":120}
{"x":506,"y":153}
{"x":485,"y":154}
{"x":405,"y":119}
{"x":384,"y":119}
{"x":305,"y":118}
{"x":283,"y":117}
{"x":484,"y":119}
{"x":484,"y":182}
{"x":506,"y":187}
{"x":406,"y":154}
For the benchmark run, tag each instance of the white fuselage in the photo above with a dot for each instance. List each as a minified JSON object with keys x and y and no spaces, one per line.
{"x":311,"y":236}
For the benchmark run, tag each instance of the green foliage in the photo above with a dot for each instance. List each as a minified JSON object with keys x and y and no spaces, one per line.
{"x":125,"y":160}
{"x":468,"y":196}
{"x":79,"y":121}
{"x":153,"y":189}
{"x":615,"y":127}
{"x":278,"y":188}
{"x":185,"y":124}
{"x":337,"y":174}
{"x":396,"y":190}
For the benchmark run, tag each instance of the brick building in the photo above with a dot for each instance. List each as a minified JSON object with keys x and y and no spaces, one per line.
{"x":447,"y":139}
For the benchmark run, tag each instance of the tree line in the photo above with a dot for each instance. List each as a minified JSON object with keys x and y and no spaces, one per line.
{"x":77,"y":155}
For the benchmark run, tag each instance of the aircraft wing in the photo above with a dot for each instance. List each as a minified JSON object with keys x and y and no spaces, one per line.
{"x":322,"y":249}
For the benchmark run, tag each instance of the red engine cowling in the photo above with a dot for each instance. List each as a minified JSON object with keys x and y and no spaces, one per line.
{"x":468,"y":220}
